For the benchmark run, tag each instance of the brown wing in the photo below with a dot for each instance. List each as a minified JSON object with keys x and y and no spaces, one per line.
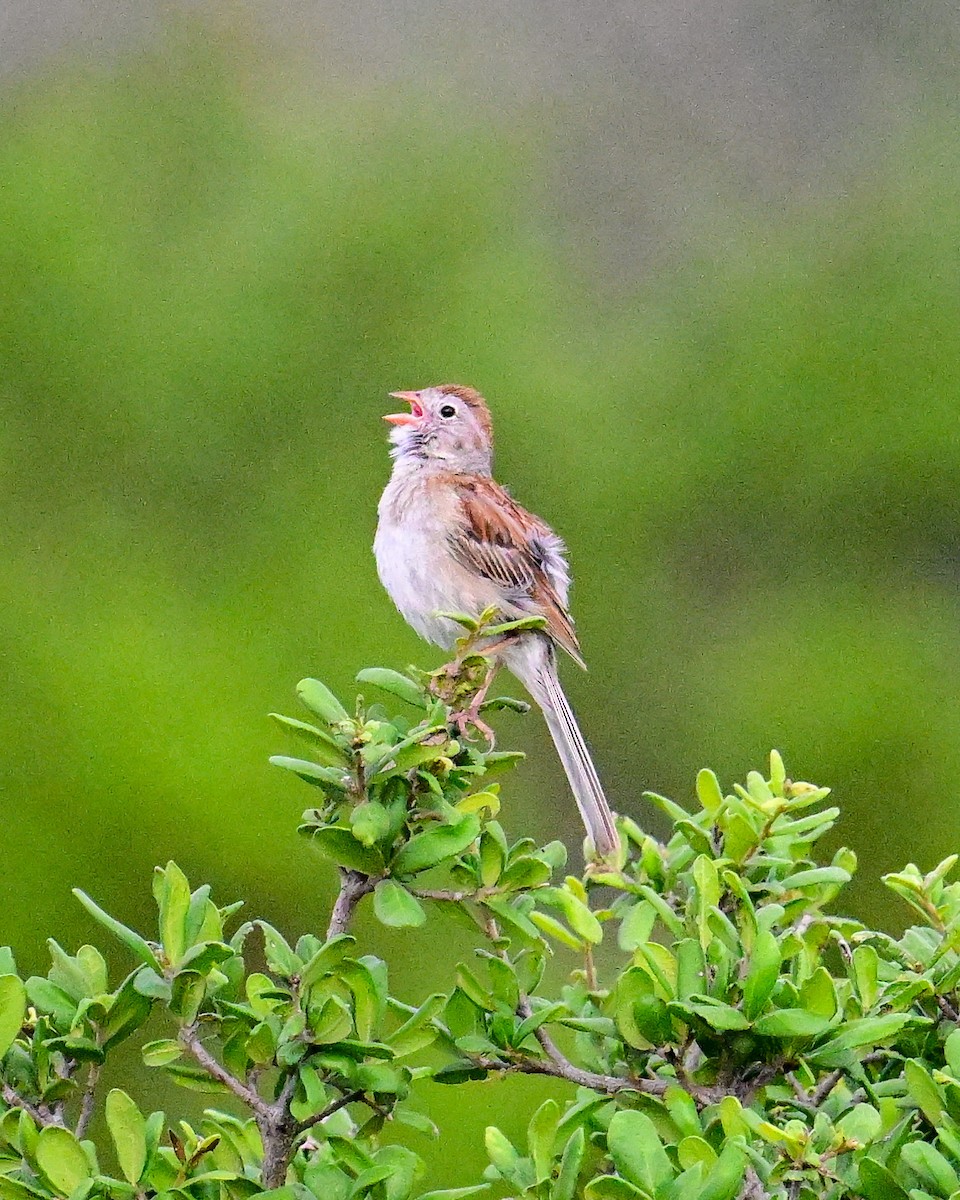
{"x":500,"y":540}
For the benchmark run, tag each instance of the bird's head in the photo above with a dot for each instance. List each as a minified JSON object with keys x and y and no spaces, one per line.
{"x":448,"y":424}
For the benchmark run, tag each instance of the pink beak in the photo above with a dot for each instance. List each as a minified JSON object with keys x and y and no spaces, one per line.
{"x":410,"y":418}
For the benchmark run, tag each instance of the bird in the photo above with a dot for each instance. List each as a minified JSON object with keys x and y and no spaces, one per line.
{"x":450,"y":539}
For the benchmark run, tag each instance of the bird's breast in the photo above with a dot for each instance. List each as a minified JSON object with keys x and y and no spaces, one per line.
{"x":415,"y":564}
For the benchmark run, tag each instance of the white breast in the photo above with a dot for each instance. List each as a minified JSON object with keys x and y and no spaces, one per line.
{"x":414,"y":563}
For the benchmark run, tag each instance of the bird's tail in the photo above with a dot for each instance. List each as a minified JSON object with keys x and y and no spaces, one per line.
{"x":544,"y":685}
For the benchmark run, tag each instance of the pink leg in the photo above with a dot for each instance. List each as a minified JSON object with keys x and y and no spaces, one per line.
{"x":471,"y":716}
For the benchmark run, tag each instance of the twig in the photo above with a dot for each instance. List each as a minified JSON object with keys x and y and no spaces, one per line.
{"x":354,"y":885}
{"x":948,"y":1010}
{"x":86,"y":1105}
{"x":190,"y":1040}
{"x":590,"y":970}
{"x":753,"y":1189}
{"x":444,"y":894}
{"x":41,"y":1115}
{"x":609,"y":1085}
{"x":560,"y":1067}
{"x":332,"y":1107}
{"x":825,"y":1087}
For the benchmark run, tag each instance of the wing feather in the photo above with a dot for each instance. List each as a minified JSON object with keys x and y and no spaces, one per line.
{"x":515,"y":550}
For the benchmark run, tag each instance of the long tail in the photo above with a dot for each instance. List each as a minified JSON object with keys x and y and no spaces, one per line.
{"x":544,"y":685}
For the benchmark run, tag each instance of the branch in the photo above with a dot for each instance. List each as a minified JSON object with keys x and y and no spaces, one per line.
{"x":332,"y":1107}
{"x":353,"y":887}
{"x":825,"y":1087}
{"x":40,"y":1114}
{"x":86,"y":1105}
{"x":478,"y":894}
{"x":190,"y":1040}
{"x":560,"y":1067}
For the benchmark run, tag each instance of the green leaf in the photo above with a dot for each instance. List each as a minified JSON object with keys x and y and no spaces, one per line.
{"x":327,"y":750}
{"x":739,"y":837}
{"x":862,"y":1124}
{"x":313,"y":773}
{"x":576,"y":913}
{"x":865,"y":1031}
{"x":395,"y":906}
{"x":330,"y":1022}
{"x":129,"y":1010}
{"x":498,"y":761}
{"x":394,"y":684}
{"x":816,"y":875}
{"x":280,"y":958}
{"x":683,"y":1111}
{"x":416,"y":1031}
{"x":128,"y":1129}
{"x":930,"y":1166}
{"x":637,"y":926}
{"x":133,"y":941}
{"x":610,"y":1187}
{"x":13,"y":1189}
{"x":62,"y":1159}
{"x":708,"y":896}
{"x":492,"y":854}
{"x":173,"y":899}
{"x":555,"y":929}
{"x":877,"y":1182}
{"x":762,"y":975}
{"x":922,"y":1090}
{"x":370,"y":822}
{"x":455,"y":1193}
{"x":819,"y":994}
{"x":637,"y":1152}
{"x":717,"y":1015}
{"x":509,"y":1163}
{"x":673,"y":923}
{"x":708,"y":791}
{"x":195,"y":1079}
{"x":320,"y":700}
{"x":342,"y":847}
{"x":693,"y":1149}
{"x":46,"y":997}
{"x":525,"y":872}
{"x":414,"y":752}
{"x":690,"y":968}
{"x":13,"y":1007}
{"x":571,"y":1162}
{"x":951,"y":1050}
{"x":541,"y":1134}
{"x":791,"y":1023}
{"x":724,"y":1179}
{"x":161,"y":1052}
{"x":148,"y":983}
{"x":427,"y":849}
{"x":325,"y":961}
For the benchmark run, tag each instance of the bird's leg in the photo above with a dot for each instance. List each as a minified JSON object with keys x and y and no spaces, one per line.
{"x":470,"y":716}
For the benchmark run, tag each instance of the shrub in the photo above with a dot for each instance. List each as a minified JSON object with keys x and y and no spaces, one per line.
{"x":734,"y":1038}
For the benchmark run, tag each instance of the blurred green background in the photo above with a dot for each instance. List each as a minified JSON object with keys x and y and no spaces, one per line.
{"x":719,"y":339}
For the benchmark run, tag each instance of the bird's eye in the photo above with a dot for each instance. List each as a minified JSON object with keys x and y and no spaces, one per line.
{"x":448,"y":411}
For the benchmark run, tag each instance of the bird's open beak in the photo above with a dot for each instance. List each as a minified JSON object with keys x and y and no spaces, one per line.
{"x":410,"y":418}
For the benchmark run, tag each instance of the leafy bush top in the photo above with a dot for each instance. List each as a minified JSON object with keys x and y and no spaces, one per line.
{"x":735,"y":1038}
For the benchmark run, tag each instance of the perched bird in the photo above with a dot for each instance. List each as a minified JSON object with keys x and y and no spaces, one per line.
{"x":450,"y":539}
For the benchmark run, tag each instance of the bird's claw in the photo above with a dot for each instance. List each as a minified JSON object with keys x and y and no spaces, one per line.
{"x":470,"y":719}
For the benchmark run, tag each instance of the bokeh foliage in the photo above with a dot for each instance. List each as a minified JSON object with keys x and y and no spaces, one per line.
{"x":210,"y":275}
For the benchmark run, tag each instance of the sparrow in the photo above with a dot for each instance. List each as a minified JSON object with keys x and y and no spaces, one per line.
{"x":451,"y":539}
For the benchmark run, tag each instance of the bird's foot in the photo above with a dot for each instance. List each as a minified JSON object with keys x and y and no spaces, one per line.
{"x":469,"y":719}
